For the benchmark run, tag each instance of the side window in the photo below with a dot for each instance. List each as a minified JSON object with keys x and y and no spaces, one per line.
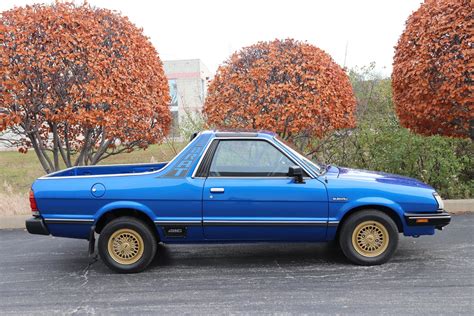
{"x":248,"y":158}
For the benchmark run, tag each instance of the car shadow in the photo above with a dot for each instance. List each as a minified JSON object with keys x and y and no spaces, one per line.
{"x":250,"y":254}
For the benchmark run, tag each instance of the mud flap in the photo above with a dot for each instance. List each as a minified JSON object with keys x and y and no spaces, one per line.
{"x":92,"y":241}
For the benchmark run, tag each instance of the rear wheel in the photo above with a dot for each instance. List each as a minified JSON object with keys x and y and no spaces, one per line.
{"x":369,"y":237}
{"x":127,"y":245}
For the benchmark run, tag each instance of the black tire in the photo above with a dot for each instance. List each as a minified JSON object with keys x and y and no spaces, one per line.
{"x":140,"y":235}
{"x":362,"y":250}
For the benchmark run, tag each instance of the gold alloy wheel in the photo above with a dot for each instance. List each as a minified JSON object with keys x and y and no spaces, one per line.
{"x":370,"y":238}
{"x":126,"y":246}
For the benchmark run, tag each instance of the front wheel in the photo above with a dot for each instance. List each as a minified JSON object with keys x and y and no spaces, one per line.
{"x":127,"y":245}
{"x":369,"y":237}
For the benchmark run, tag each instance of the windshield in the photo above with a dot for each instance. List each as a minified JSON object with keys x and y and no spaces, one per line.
{"x":310,"y":164}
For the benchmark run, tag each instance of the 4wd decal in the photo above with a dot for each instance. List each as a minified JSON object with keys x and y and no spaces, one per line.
{"x":181,"y":168}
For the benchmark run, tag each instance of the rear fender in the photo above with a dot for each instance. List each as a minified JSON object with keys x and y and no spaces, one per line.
{"x":127,"y":205}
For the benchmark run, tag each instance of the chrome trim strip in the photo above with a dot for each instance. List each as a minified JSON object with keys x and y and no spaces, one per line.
{"x":68,"y":221}
{"x":243,"y":223}
{"x":206,"y":222}
{"x":51,"y":176}
{"x":217,"y":190}
{"x":263,"y":223}
{"x":257,"y":178}
{"x":428,"y":217}
{"x":251,"y":138}
{"x":187,"y":223}
{"x":333,"y":223}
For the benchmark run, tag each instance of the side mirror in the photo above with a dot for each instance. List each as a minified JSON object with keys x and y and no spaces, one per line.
{"x":297,"y":173}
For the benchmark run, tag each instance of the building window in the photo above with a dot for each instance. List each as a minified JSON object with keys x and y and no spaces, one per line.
{"x":173,"y":94}
{"x":203,"y":90}
{"x":174,"y":124}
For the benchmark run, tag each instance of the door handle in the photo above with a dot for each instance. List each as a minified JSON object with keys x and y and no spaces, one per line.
{"x":217,"y":190}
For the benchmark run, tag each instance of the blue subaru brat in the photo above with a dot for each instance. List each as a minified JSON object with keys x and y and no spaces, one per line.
{"x":232,"y":187}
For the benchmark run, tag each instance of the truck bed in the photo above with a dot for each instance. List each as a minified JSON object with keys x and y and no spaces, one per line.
{"x":108,"y":169}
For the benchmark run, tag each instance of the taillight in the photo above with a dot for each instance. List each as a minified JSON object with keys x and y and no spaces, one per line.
{"x":33,"y":206}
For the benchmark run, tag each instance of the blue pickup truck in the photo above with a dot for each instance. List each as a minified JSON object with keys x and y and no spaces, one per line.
{"x":232,"y":187}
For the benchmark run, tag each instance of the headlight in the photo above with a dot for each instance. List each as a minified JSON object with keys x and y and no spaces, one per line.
{"x":439,"y":200}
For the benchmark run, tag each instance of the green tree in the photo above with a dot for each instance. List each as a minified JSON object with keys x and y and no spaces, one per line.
{"x":380,"y":143}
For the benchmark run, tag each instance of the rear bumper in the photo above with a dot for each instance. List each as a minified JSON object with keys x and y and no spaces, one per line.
{"x":439,"y":219}
{"x":36,"y":226}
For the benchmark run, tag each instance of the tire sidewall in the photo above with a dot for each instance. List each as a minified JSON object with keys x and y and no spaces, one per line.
{"x":345,"y":238}
{"x":149,"y":244}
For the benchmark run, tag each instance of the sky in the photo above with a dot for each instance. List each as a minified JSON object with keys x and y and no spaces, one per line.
{"x":354,"y":33}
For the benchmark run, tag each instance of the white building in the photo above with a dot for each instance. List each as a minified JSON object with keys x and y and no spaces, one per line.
{"x":188,"y":80}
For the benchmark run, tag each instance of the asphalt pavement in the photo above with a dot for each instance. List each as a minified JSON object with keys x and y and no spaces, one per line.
{"x":428,"y":275}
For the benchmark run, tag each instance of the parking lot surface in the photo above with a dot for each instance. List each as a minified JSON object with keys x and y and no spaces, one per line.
{"x":432,"y":274}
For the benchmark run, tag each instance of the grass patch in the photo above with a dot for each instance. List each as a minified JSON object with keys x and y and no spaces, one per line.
{"x":18,"y":171}
{"x":13,"y":203}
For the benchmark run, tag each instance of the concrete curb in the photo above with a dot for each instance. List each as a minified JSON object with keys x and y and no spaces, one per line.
{"x":452,"y":206}
{"x":13,"y":221}
{"x":459,"y":206}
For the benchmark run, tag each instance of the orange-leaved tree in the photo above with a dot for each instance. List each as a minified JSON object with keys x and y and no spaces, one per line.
{"x":432,"y":69}
{"x":287,"y":86}
{"x":79,"y":84}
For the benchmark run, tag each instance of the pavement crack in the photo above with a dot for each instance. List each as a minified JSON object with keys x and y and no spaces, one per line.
{"x":85,"y":272}
{"x":84,"y":275}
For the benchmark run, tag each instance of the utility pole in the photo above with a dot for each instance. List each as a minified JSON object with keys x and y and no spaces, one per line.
{"x":345,"y":55}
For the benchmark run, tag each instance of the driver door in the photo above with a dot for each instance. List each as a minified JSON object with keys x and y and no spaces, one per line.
{"x":247,"y":195}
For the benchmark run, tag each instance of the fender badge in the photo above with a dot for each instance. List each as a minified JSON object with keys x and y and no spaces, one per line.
{"x":339,"y":199}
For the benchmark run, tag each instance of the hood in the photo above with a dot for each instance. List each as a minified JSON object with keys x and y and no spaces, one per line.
{"x":382,"y":177}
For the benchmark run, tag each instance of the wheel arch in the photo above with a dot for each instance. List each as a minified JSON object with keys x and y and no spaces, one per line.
{"x":116,"y":209}
{"x":382,"y":208}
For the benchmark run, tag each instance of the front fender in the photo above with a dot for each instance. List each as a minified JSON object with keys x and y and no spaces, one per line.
{"x":337,"y":210}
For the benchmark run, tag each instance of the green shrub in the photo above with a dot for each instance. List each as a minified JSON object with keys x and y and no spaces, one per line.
{"x":444,"y":163}
{"x":380,"y":143}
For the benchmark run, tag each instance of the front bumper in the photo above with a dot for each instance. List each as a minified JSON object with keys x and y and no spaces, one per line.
{"x":36,"y":225}
{"x":438,"y":220}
